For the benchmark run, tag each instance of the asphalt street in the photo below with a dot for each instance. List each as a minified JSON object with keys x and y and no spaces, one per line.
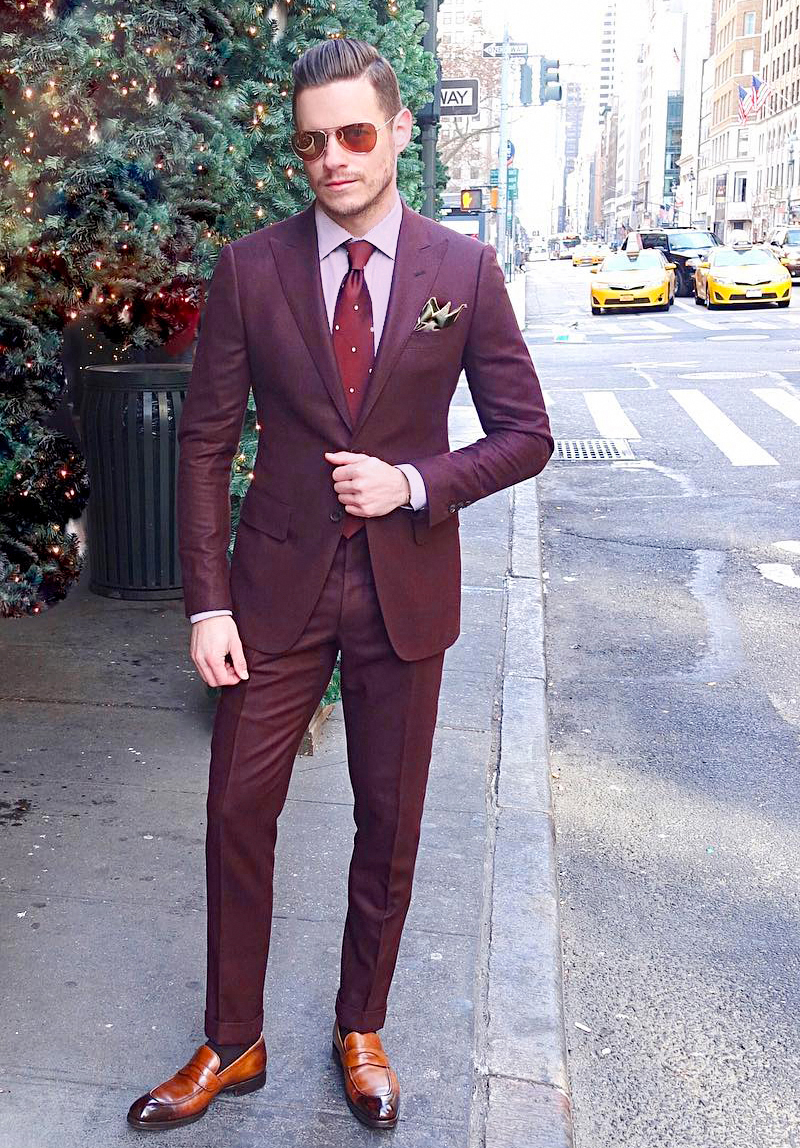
{"x":672,"y":600}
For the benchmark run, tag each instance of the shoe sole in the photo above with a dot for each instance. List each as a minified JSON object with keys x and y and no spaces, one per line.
{"x":369,"y":1121}
{"x":241,"y":1089}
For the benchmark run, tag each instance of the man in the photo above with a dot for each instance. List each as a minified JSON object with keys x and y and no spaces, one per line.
{"x":348,"y":542}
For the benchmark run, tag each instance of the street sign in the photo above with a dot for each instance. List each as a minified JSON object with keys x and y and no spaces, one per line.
{"x":513,"y":180}
{"x":495,"y":50}
{"x":459,"y":98}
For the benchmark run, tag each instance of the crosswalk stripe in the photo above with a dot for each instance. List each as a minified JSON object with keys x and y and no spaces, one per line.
{"x":781,"y":401}
{"x":699,"y":321}
{"x":609,"y":417}
{"x":656,"y":325}
{"x":725,"y":435}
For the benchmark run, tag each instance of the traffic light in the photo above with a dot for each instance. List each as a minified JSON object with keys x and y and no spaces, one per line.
{"x":471,"y":198}
{"x":494,"y":197}
{"x":549,"y":85}
{"x":526,"y":85}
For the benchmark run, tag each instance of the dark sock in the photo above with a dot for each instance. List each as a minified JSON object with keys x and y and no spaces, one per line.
{"x":227,"y":1053}
{"x":343,"y":1032}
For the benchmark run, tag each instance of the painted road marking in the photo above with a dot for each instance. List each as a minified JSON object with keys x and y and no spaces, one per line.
{"x":725,"y":435}
{"x":609,"y":417}
{"x":779,"y":572}
{"x":736,"y":338}
{"x":790,"y":546}
{"x":781,"y":401}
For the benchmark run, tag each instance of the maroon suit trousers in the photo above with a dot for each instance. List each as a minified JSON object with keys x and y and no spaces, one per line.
{"x":390,"y":714}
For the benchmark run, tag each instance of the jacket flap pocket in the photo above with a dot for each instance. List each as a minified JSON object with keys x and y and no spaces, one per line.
{"x":261,"y":510}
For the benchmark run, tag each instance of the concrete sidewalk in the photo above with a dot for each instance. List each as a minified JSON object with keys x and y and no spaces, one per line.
{"x":105,"y":756}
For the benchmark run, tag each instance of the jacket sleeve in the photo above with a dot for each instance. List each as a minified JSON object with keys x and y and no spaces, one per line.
{"x":208,"y":435}
{"x":508,"y":399}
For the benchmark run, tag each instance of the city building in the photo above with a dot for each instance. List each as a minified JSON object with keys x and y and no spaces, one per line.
{"x":775,"y":126}
{"x":699,"y":48}
{"x":726,"y":198}
{"x":661,"y":96}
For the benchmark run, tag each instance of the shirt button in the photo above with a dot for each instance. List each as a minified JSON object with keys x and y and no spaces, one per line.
{"x":336,"y":515}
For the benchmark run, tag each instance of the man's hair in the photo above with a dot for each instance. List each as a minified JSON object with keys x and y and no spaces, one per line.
{"x":343,"y":58}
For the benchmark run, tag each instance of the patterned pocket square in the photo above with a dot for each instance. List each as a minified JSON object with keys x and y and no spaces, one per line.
{"x":436,"y":316}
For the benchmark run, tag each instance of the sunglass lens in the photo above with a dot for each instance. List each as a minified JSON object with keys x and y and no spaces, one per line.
{"x":359,"y":137}
{"x":308,"y":145}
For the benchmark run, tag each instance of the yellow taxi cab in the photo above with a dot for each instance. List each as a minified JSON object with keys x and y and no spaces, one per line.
{"x":633,"y":279}
{"x":751,"y":275}
{"x":589,"y":254}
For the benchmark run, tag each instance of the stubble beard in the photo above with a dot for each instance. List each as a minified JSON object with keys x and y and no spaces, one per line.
{"x":346,"y":211}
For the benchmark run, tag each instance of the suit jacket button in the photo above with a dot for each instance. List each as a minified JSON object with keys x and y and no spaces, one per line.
{"x":337,"y":515}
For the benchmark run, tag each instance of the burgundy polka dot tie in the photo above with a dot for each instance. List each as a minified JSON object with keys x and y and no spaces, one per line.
{"x":353,"y":339}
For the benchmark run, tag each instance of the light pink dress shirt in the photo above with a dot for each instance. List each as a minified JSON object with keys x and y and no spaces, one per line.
{"x":333,"y":266}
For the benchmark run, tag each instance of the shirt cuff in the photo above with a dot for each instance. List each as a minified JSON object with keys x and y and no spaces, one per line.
{"x":209,"y":614}
{"x":419,"y":495}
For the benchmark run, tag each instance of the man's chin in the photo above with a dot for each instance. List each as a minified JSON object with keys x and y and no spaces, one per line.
{"x":346,"y":201}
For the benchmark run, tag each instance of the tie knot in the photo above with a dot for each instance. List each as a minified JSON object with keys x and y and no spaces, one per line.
{"x":358,"y":252}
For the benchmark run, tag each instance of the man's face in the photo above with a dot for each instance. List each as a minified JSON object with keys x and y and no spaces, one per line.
{"x":348,"y":183}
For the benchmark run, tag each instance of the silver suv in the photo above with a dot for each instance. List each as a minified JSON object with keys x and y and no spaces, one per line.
{"x":785,"y":243}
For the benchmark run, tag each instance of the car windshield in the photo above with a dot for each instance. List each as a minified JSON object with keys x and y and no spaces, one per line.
{"x":691,"y":240}
{"x":793,"y":236}
{"x":725,"y":258}
{"x":636,"y":261}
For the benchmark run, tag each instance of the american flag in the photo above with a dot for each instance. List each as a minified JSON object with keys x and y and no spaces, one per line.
{"x":745,"y":104}
{"x":760,"y":92}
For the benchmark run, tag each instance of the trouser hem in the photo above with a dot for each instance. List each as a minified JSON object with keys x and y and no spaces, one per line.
{"x":234,"y":1032}
{"x":360,"y":1020}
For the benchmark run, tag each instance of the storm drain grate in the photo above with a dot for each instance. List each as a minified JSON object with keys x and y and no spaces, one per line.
{"x":591,"y":450}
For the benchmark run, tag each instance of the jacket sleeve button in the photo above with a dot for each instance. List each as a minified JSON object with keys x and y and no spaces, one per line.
{"x":452,"y":508}
{"x":336,"y":515}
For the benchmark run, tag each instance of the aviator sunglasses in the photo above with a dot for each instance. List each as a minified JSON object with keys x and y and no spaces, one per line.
{"x":359,"y":138}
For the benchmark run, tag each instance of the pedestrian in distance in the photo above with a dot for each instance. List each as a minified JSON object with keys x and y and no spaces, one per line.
{"x":351,"y":321}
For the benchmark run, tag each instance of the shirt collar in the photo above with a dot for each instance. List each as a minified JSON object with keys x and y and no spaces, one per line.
{"x":383,"y":235}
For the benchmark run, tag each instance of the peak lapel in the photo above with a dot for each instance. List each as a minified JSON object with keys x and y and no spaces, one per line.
{"x":417,"y":260}
{"x":297,"y":261}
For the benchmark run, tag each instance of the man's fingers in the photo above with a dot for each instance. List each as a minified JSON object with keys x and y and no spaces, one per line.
{"x":342,"y":457}
{"x":238,"y":659}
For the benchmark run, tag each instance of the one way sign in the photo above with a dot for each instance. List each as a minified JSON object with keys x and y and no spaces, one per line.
{"x":459,"y":98}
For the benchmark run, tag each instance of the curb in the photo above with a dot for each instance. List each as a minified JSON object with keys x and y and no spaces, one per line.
{"x":523,"y":1051}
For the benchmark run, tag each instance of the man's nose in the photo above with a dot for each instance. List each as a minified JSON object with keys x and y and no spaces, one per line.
{"x":335,"y":155}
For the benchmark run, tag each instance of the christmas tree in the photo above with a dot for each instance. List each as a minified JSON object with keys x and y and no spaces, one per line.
{"x":137,"y":140}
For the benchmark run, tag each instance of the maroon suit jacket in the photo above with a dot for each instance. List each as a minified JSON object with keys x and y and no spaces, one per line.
{"x":265,"y":326}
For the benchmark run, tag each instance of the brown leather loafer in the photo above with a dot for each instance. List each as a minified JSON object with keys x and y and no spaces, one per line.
{"x":185,"y":1097}
{"x":370,"y":1084}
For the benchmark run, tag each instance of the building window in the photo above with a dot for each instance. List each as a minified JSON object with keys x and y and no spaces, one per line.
{"x":742,"y":142}
{"x":748,"y":57}
{"x":740,"y":187}
{"x":749,"y":24}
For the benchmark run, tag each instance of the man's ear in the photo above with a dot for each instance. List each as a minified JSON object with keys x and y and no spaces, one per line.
{"x":403,"y":124}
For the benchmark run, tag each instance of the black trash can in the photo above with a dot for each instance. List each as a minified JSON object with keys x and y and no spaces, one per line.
{"x":129,"y":417}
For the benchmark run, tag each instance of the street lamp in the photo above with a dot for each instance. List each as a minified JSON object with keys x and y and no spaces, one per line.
{"x":792,"y":141}
{"x":690,"y":180}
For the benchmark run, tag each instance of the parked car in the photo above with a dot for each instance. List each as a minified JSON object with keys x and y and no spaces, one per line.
{"x":683,"y":246}
{"x":754,"y":276}
{"x":632,"y":279}
{"x":785,"y":243}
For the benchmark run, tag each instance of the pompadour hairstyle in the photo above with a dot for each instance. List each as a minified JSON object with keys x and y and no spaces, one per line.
{"x":346,"y":59}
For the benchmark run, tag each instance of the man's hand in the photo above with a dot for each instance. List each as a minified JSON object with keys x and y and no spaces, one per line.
{"x":366,"y":486}
{"x":212,"y":639}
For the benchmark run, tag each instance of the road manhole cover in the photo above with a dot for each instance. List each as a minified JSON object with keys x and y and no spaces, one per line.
{"x":592,"y":450}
